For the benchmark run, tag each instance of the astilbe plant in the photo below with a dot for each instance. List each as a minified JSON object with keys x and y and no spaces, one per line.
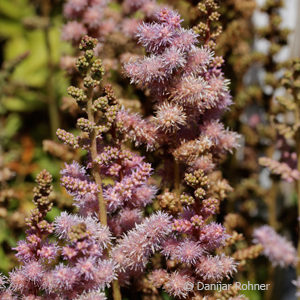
{"x":254,"y":97}
{"x":258,"y":128}
{"x":257,"y":114}
{"x":287,"y":134}
{"x":279,"y":250}
{"x":80,"y":265}
{"x":80,"y":244}
{"x":83,"y":17}
{"x":190,"y":94}
{"x":120,"y":205}
{"x":252,"y":116}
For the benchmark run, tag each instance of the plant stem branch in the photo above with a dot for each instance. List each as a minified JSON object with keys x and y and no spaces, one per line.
{"x":116,"y":290}
{"x":176,"y":177}
{"x":95,"y":170}
{"x":102,"y":215}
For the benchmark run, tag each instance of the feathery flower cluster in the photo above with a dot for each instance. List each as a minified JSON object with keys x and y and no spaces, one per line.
{"x":282,"y":169}
{"x":278,"y":249}
{"x":134,"y":249}
{"x":185,"y":81}
{"x":191,"y":93}
{"x":136,"y":129}
{"x":85,"y":17}
{"x":216,"y":267}
{"x":81,"y":244}
{"x":130,"y":193}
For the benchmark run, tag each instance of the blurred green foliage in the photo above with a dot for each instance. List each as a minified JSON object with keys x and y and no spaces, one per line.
{"x":30,"y":51}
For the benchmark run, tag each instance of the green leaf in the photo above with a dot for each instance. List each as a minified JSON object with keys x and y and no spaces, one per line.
{"x":6,"y":264}
{"x":3,"y":231}
{"x":9,"y":28}
{"x":32,"y":71}
{"x":16,"y":46}
{"x":52,"y":214}
{"x":166,"y":296}
{"x":57,"y":45}
{"x":50,"y":165}
{"x":252,"y":294}
{"x":15,"y":9}
{"x":5,"y":234}
{"x":18,"y":105}
{"x":61,"y":84}
{"x":13,"y":124}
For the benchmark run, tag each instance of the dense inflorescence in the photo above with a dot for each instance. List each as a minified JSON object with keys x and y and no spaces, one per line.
{"x":278,"y":249}
{"x":262,"y":113}
{"x":283,"y":169}
{"x":208,"y":27}
{"x":190,"y":94}
{"x":257,"y":114}
{"x":185,"y":80}
{"x":72,"y":265}
{"x":287,"y":133}
{"x":86,"y":17}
